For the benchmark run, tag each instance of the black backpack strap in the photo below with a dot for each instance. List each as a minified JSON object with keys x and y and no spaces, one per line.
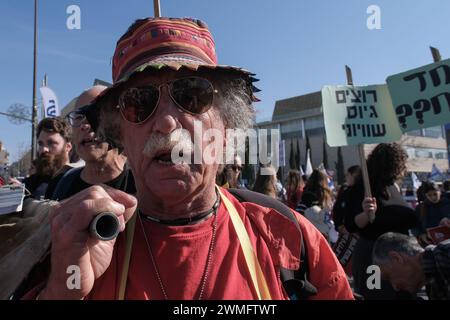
{"x":295,"y":282}
{"x":66,"y":180}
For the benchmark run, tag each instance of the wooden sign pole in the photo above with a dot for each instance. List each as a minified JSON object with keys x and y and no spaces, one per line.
{"x":362,"y":157}
{"x":436,"y":54}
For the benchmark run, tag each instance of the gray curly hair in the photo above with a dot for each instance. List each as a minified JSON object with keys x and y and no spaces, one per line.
{"x":397,"y":242}
{"x":233,"y":103}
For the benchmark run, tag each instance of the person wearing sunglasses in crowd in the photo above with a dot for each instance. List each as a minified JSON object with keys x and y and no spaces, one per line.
{"x":231,"y":174}
{"x":184,"y":238}
{"x":103,"y":164}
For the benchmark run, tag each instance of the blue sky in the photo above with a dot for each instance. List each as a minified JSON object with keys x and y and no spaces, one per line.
{"x":294,"y":46}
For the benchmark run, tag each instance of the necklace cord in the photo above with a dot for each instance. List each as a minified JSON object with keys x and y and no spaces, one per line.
{"x":208,"y":259}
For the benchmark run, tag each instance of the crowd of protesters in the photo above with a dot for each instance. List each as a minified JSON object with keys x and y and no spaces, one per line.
{"x":181,"y":235}
{"x":392,"y":210}
{"x":185,"y":216}
{"x":334,"y":212}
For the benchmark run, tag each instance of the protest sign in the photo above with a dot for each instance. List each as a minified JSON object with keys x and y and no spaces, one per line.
{"x":11,"y":199}
{"x":421,"y":97}
{"x":438,"y":234}
{"x":359,"y":115}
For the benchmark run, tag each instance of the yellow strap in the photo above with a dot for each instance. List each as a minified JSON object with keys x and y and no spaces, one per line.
{"x":258,"y":279}
{"x":126,"y":262}
{"x":257,"y":276}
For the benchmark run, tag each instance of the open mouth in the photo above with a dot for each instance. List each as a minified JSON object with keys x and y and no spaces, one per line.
{"x":165,"y":157}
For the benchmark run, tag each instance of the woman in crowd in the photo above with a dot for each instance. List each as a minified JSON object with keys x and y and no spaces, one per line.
{"x":295,"y":188}
{"x":316,"y":204}
{"x":385,"y":212}
{"x":351,"y":176}
{"x":266,"y":183}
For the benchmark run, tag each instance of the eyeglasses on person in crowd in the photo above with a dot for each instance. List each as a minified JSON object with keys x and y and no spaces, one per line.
{"x":193,"y":95}
{"x":234,"y":167}
{"x":75,"y":119}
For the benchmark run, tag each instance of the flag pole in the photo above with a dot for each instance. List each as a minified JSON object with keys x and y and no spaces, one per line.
{"x":34,"y":104}
{"x":362,"y":156}
{"x":157,"y":8}
{"x":44,"y":84}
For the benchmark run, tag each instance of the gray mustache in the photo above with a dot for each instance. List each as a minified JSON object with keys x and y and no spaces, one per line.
{"x":159,"y":142}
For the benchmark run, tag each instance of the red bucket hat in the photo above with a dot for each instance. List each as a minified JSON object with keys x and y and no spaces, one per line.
{"x":167,"y":42}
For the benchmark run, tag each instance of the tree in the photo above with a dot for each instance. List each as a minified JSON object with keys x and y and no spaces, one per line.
{"x":280,"y":175}
{"x":297,"y":156}
{"x":247,"y":170}
{"x":325,"y":154}
{"x":292,"y":156}
{"x":340,"y":170}
{"x":308,"y":147}
{"x":22,"y":165}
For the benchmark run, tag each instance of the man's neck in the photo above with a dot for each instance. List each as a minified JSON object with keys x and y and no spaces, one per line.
{"x":103,"y":170}
{"x":181,"y":209}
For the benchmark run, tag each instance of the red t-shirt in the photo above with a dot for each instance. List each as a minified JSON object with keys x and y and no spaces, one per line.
{"x":181,"y":253}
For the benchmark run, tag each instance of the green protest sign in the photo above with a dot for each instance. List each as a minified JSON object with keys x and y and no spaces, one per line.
{"x":421,"y":97}
{"x":359,"y":115}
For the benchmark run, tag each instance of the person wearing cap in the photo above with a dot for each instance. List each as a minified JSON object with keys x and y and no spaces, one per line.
{"x":185,"y":238}
{"x":103,"y":164}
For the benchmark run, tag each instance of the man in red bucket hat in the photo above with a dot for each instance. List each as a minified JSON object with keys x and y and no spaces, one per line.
{"x":185,"y":238}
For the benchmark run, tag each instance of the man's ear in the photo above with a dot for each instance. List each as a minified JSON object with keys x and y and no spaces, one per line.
{"x":68,"y":147}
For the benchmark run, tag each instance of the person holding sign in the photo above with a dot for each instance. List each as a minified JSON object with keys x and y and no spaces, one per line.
{"x":386,"y":165}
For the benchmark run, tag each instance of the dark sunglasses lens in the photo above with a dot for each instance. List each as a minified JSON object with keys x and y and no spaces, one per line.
{"x":137,"y":104}
{"x":194,"y":95}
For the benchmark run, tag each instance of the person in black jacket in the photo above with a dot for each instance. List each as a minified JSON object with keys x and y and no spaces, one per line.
{"x":446,"y":191}
{"x":372,"y":217}
{"x":339,"y":206}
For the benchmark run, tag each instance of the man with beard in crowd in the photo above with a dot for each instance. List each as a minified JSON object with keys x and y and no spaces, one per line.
{"x":53,"y":138}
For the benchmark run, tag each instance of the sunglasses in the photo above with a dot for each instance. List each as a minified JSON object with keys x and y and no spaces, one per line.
{"x":193,"y":95}
{"x":75,"y":119}
{"x":236,"y":168}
